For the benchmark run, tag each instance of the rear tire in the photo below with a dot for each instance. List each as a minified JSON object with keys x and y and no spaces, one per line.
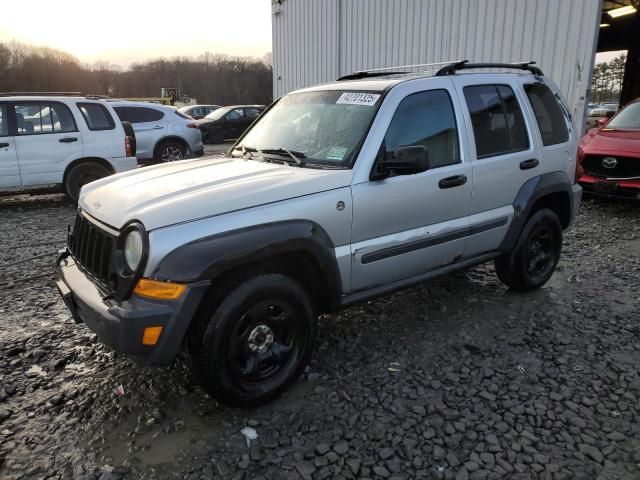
{"x":254,"y":342}
{"x":81,"y":174}
{"x":170,"y":151}
{"x":536,"y":253}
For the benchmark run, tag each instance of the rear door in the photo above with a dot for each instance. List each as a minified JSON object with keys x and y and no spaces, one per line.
{"x":504,"y":154}
{"x":47,"y":140}
{"x":148,"y":124}
{"x":9,"y":171}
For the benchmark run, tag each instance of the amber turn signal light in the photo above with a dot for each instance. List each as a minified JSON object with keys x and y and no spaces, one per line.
{"x":151,"y":335}
{"x":159,"y":290}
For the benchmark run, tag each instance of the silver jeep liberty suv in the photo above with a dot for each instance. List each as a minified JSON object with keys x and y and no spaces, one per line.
{"x":336,"y":194}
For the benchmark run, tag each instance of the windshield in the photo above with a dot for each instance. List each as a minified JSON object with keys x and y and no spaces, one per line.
{"x":323,"y":127}
{"x":216,"y":114}
{"x":629,"y":117}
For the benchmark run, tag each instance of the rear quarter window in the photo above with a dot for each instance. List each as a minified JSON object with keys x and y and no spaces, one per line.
{"x":549,"y":114}
{"x":139,"y":114}
{"x":96,"y":116}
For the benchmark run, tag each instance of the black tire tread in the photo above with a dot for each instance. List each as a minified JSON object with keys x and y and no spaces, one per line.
{"x":507,"y":265}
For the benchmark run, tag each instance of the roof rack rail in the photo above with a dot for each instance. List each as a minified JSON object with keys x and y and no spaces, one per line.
{"x":40,"y":94}
{"x":96,"y":97}
{"x":395,"y":70}
{"x":452,"y":68}
{"x":365,"y":74}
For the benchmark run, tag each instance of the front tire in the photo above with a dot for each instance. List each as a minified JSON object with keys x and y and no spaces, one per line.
{"x":537,"y":252}
{"x":81,"y":174}
{"x":253,"y":343}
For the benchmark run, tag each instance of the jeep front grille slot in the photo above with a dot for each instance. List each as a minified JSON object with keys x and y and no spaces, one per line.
{"x":92,"y":249}
{"x":615,"y":167}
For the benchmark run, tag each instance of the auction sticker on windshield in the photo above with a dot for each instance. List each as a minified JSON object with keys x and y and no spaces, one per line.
{"x":336,"y":153}
{"x":358,"y":98}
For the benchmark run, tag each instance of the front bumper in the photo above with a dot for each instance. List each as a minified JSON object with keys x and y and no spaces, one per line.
{"x":626,"y":189}
{"x":120,"y":325}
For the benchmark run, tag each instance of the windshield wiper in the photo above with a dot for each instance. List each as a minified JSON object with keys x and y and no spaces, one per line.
{"x":294,"y":155}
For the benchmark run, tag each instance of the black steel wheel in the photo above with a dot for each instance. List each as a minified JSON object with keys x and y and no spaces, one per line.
{"x":536,"y":254}
{"x":255,"y":342}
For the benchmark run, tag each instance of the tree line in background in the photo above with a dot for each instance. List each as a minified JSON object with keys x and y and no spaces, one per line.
{"x":210,"y":78}
{"x":606,"y":81}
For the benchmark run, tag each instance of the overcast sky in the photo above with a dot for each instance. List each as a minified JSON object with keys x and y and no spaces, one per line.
{"x":125,"y":31}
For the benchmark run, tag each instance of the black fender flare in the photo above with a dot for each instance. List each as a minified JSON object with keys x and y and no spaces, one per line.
{"x":531,"y":191}
{"x":209,"y":257}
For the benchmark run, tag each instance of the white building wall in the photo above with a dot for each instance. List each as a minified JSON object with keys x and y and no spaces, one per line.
{"x":316,"y":41}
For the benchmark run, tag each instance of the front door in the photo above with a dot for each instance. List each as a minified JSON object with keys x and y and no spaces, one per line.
{"x":405,"y":225}
{"x":47,"y":139}
{"x":234,"y":123}
{"x":9,"y":171}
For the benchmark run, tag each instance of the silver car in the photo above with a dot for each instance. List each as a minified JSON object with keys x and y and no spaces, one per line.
{"x":337,"y":194}
{"x":163,"y":134}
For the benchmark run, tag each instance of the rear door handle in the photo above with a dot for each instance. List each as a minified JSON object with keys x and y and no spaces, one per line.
{"x":68,"y":140}
{"x":4,"y":145}
{"x":158,"y":127}
{"x":531,"y":163}
{"x":454,"y":181}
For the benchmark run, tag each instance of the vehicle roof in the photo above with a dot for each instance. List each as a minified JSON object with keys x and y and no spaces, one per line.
{"x":243,"y":106}
{"x":48,"y":98}
{"x":132,"y":103}
{"x":384,"y":82}
{"x":199,"y":105}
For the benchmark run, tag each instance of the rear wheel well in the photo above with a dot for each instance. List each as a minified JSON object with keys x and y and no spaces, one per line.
{"x":99,"y":161}
{"x":559,"y":203}
{"x":179,"y":140}
{"x":300,"y":266}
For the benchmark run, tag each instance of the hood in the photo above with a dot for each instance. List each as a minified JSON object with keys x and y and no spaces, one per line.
{"x":190,"y":189}
{"x":611,"y":141}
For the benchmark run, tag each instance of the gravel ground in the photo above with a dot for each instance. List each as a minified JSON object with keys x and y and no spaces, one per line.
{"x":457,"y":379}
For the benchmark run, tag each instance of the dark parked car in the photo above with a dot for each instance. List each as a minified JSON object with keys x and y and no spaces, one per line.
{"x":198,"y":111}
{"x":227,"y":123}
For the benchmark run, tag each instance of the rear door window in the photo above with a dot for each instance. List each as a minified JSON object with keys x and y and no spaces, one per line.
{"x":139,"y":114}
{"x":36,"y":118}
{"x":549,"y":114}
{"x":498,"y":123}
{"x":97,"y":116}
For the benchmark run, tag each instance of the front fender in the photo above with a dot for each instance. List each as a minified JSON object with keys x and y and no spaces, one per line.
{"x":207,"y":258}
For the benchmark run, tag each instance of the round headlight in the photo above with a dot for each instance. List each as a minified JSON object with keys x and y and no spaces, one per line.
{"x":133,"y":249}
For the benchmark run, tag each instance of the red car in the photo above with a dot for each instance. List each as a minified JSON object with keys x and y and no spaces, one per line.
{"x":609,"y":156}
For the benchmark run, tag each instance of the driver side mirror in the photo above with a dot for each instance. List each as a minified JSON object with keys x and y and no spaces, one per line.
{"x":404,"y":161}
{"x":603,"y":121}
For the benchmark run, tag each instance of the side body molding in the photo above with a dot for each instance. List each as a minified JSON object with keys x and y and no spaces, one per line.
{"x":208,"y":257}
{"x":532,"y":190}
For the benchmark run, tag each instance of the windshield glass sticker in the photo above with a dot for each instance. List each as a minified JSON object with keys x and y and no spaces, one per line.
{"x":358,"y":98}
{"x":336,"y":153}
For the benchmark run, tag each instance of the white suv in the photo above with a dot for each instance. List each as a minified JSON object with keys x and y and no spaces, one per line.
{"x":163,"y":134}
{"x":53,"y":142}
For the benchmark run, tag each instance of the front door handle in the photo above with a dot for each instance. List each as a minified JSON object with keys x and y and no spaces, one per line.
{"x":158,"y":127}
{"x":454,"y":181}
{"x":4,"y":145}
{"x":68,"y":140}
{"x":531,"y":163}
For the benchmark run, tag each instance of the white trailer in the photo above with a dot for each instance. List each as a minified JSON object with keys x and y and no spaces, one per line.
{"x":317,"y":41}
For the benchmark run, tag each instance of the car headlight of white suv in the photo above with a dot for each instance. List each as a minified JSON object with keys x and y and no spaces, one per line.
{"x":133,"y":249}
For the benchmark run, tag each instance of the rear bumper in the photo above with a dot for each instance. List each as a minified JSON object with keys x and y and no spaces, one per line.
{"x":196,"y":153}
{"x":123,"y":164}
{"x":576,"y":193}
{"x":626,"y":189}
{"x":120,"y":325}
